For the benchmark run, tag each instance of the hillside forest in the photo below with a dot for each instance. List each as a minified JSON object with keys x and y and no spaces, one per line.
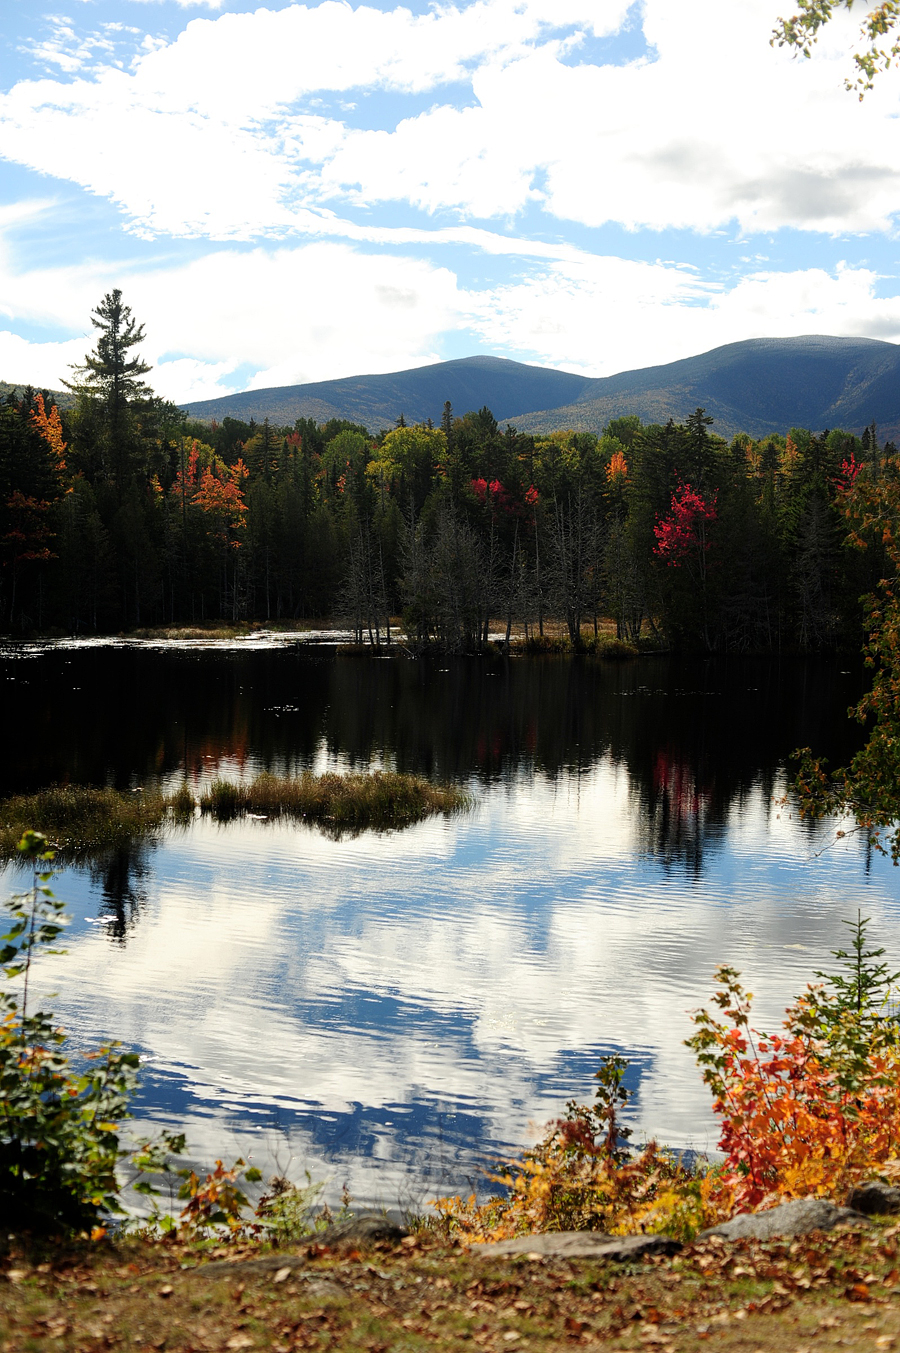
{"x":121,"y":513}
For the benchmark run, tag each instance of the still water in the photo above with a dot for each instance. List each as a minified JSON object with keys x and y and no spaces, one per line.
{"x":388,"y":1010}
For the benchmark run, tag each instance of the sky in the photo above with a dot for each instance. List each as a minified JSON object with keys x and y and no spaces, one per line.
{"x":298,"y":192}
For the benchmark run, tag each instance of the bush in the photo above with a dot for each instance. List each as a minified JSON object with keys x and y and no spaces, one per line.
{"x":380,"y":799}
{"x":812,"y":1110}
{"x":58,"y":1141}
{"x":583,"y":1177}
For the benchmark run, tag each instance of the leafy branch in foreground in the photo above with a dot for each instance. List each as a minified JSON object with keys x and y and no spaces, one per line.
{"x":801,"y":32}
{"x":58,"y":1141}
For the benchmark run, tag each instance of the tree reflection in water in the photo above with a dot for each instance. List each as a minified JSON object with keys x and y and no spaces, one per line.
{"x":695,"y":735}
{"x":122,"y":875}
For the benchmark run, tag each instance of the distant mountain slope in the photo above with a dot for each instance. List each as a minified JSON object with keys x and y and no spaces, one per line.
{"x":761,"y":385}
{"x":419,"y":394}
{"x":63,"y":399}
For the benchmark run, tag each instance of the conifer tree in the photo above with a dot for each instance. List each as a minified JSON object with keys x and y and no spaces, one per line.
{"x":110,"y":377}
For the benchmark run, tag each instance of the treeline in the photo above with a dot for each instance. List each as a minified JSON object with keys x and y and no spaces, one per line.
{"x":120,"y":513}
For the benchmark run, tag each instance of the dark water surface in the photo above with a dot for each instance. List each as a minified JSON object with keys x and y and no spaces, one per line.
{"x":389,"y":1009}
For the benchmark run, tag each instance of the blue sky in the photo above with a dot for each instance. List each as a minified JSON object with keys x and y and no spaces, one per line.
{"x":294,"y":192}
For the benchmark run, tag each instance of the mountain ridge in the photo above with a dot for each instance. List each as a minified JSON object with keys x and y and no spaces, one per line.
{"x":758,"y":386}
{"x":418,"y":393}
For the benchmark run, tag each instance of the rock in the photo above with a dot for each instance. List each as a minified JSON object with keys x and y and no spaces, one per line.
{"x":364,"y":1230}
{"x":580,"y":1245}
{"x":795,"y":1218}
{"x":874,"y":1198}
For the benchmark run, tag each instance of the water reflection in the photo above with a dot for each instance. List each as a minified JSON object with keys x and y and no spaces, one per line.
{"x":122,"y":876}
{"x":390,"y":1009}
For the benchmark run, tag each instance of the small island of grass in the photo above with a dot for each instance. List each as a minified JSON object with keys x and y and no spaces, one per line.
{"x":83,"y":819}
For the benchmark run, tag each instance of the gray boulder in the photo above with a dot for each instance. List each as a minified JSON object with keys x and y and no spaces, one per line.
{"x":363,"y":1230}
{"x":874,"y":1198}
{"x":580,"y":1245}
{"x":796,"y":1218}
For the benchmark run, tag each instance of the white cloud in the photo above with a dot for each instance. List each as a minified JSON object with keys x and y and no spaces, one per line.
{"x":614,"y":315}
{"x":25,"y":362}
{"x":323,"y":310}
{"x":210,"y":135}
{"x":308,"y":313}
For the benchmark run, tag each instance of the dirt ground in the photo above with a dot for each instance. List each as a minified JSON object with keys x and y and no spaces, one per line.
{"x":840,"y":1290}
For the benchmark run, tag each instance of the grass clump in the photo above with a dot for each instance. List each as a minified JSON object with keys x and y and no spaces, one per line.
{"x":379,"y":799}
{"x":80,"y":819}
{"x":539,"y":644}
{"x":607,"y":646}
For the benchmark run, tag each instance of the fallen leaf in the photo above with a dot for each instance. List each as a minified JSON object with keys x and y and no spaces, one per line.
{"x":282,"y":1275}
{"x":239,"y":1341}
{"x":166,"y":1290}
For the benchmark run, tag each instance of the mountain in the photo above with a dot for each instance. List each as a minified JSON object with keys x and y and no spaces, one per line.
{"x":758,"y":386}
{"x":419,"y":394}
{"x":63,"y":399}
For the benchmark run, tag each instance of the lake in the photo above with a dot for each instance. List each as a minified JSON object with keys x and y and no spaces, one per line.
{"x":391,"y":1010}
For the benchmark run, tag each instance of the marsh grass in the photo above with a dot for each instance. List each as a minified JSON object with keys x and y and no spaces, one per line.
{"x":380,"y":799}
{"x":82,"y":820}
{"x":592,"y":645}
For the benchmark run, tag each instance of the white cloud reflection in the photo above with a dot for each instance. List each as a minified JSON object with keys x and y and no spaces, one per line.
{"x":473,"y":967}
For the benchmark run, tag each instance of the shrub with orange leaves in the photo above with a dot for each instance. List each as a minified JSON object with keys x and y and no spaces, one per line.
{"x":810,"y":1111}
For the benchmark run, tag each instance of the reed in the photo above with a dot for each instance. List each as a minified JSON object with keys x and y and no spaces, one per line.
{"x":83,"y":820}
{"x":378,"y":800}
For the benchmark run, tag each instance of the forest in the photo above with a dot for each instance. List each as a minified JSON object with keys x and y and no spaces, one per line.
{"x":121,"y":513}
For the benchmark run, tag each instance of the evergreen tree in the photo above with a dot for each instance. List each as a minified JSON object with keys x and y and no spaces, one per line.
{"x":110,"y":377}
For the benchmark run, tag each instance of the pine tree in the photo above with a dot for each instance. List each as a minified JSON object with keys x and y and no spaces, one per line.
{"x":109,"y":382}
{"x":108,"y":370}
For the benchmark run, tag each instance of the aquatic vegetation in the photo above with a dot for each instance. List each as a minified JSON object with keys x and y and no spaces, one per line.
{"x":597,"y":645}
{"x":379,"y":799}
{"x":81,"y":820}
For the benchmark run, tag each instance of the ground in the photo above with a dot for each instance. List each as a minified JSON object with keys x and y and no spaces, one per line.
{"x":815,"y":1293}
